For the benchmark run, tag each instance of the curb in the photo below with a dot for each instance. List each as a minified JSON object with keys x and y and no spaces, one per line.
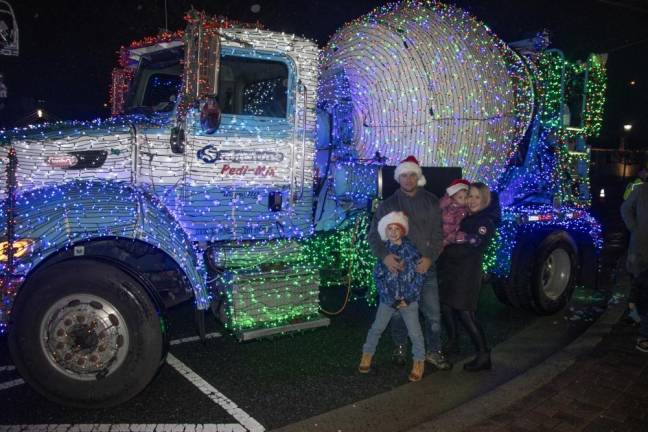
{"x":498,"y":399}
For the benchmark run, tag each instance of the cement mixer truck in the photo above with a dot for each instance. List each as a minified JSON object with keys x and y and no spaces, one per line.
{"x":240,"y":168}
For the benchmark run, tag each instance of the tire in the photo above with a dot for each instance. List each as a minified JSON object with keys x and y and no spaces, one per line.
{"x":554,"y":274}
{"x":86,"y":334}
{"x":543,"y":274}
{"x":499,"y":288}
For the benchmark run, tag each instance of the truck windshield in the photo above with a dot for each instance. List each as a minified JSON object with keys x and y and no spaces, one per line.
{"x":157,"y":82}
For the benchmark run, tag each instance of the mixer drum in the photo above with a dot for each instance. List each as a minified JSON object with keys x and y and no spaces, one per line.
{"x":430,"y":80}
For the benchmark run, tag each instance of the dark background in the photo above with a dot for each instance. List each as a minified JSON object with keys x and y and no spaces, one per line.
{"x":68,"y":48}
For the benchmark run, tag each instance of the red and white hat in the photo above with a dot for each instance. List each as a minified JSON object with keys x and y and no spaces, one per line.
{"x":457,"y":185}
{"x":408,"y":165}
{"x":395,"y":217}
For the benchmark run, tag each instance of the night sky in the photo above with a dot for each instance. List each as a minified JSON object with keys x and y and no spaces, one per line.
{"x":68,"y":48}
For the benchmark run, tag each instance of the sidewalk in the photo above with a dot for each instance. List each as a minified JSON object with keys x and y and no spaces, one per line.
{"x":605,"y":390}
{"x":599,"y":382}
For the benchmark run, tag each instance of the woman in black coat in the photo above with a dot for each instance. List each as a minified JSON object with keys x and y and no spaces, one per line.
{"x":460,"y":271}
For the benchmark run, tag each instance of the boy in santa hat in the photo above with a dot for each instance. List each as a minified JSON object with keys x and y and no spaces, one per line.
{"x":425,"y":233}
{"x":398,"y":293}
{"x":453,"y":209}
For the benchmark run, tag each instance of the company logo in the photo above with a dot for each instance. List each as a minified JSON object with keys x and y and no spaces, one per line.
{"x":84,"y":159}
{"x":62,"y":161}
{"x":210,"y":154}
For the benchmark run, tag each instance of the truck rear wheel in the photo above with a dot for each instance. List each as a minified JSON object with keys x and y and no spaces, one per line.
{"x":86,"y":334}
{"x":543,"y":276}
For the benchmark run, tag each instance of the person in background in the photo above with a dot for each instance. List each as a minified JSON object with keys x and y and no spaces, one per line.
{"x":633,"y":315}
{"x":634,"y":212}
{"x":642,"y":176}
{"x":460,"y":270}
{"x":425,"y":232}
{"x":398,"y":293}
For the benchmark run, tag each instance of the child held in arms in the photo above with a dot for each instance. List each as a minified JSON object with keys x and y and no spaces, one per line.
{"x":453,"y":209}
{"x":398,"y":292}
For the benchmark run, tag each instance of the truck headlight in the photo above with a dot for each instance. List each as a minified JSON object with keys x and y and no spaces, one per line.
{"x":20,"y":248}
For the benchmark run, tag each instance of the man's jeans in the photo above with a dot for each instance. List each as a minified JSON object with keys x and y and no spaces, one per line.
{"x":409,"y":315}
{"x":431,"y":310}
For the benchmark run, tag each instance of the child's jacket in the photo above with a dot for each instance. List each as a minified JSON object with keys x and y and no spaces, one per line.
{"x":452,"y":214}
{"x":400,"y":285}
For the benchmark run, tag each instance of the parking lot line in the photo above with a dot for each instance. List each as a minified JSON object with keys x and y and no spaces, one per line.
{"x":13,"y":383}
{"x":7,"y":368}
{"x":228,"y":405}
{"x":235,"y":427}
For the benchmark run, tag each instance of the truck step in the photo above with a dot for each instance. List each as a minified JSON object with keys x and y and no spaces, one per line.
{"x":249,"y":334}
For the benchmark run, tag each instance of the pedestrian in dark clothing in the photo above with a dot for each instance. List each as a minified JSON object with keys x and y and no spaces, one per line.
{"x":634,"y":211}
{"x":460,"y":271}
{"x":398,"y":293}
{"x":422,"y":209}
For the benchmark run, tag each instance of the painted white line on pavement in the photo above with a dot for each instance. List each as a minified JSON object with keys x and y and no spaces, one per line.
{"x":241,"y":416}
{"x":7,"y":368}
{"x":13,"y":383}
{"x":234,"y":427}
{"x":194,"y":338}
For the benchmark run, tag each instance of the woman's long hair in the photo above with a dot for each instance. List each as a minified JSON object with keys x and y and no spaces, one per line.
{"x":484,"y":191}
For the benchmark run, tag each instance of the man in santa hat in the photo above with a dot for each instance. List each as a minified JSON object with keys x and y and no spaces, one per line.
{"x":426,"y":233}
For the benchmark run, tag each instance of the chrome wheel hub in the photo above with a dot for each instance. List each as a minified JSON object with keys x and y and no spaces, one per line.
{"x":84,"y":337}
{"x":555,"y":273}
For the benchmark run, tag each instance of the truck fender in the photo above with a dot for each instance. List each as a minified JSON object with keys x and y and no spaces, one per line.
{"x":59,"y":217}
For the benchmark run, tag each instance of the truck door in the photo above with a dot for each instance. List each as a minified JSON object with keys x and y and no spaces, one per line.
{"x":247,"y":179}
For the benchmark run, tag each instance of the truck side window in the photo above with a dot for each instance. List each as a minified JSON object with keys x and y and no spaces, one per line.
{"x":251,"y":86}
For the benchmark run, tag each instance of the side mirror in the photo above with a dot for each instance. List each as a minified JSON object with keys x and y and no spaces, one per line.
{"x":202,"y":59}
{"x":210,"y":115}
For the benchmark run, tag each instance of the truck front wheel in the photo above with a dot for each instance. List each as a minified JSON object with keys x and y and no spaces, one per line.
{"x":86,"y":334}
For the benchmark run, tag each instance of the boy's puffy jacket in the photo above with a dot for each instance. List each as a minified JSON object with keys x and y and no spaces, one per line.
{"x":400,"y":285}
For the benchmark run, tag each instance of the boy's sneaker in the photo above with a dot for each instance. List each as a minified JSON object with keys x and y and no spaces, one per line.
{"x":438,"y":361}
{"x":642,"y":345}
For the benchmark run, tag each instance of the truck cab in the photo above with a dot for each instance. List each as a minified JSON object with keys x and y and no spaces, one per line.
{"x":199,"y":187}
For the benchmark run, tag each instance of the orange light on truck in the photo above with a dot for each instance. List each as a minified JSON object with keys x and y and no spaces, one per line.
{"x":20,"y":247}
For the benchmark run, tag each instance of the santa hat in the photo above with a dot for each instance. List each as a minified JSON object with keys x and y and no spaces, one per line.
{"x":457,"y":185}
{"x":398,"y":218}
{"x":410,"y":165}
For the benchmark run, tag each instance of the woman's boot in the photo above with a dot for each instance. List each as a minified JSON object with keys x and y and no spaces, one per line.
{"x":418,"y":366}
{"x":482,"y":361}
{"x":365,"y":363}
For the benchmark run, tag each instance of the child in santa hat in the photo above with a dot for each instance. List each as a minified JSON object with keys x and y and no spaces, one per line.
{"x":399,"y":292}
{"x":454,"y":208}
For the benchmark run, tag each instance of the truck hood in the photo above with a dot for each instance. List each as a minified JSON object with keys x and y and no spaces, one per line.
{"x":98,"y":127}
